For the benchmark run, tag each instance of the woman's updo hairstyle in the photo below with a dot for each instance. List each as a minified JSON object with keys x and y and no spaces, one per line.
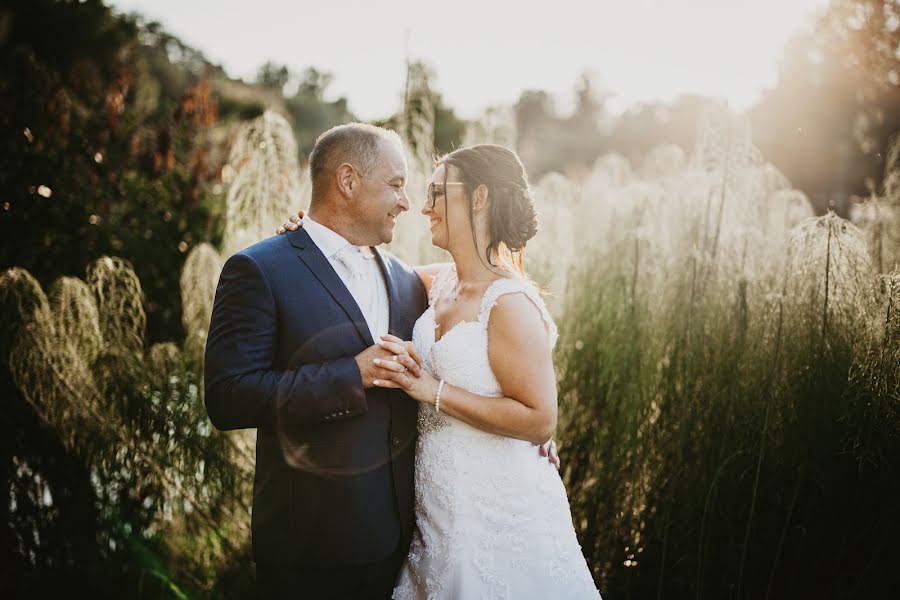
{"x":512,"y":219}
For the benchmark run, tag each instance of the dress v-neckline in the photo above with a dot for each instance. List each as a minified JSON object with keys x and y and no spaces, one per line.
{"x":433,"y":308}
{"x":434,"y":339}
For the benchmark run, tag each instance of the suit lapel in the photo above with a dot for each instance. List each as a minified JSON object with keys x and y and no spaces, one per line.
{"x":316,"y":262}
{"x":393,"y":298}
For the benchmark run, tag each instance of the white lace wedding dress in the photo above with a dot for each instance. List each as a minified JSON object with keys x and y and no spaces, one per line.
{"x":492,"y":517}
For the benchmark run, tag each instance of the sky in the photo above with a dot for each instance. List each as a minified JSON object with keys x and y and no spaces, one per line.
{"x":486,"y":52}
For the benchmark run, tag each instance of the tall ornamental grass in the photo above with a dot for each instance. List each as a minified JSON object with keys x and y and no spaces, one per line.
{"x":729,"y":376}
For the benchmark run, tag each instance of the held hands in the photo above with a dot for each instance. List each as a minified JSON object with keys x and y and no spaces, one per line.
{"x":421,"y":385}
{"x":389,"y":360}
{"x":293,"y":223}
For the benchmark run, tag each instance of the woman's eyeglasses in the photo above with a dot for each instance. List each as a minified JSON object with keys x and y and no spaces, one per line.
{"x":434,"y":192}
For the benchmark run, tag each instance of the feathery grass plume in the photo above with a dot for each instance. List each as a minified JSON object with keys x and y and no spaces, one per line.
{"x":875,"y":377}
{"x":48,"y":364}
{"x":557,"y":243}
{"x":757,"y":196}
{"x":611,"y":170}
{"x":142,"y":433}
{"x":758,"y":184}
{"x":604,"y":198}
{"x":266,"y":185}
{"x":879,"y":216}
{"x":880,"y":222}
{"x":415,"y":123}
{"x":163,"y":359}
{"x":829,"y":272}
{"x":725,"y":150}
{"x":497,"y":125}
{"x":723,"y":142}
{"x":199,"y":278}
{"x":626,"y":212}
{"x":120,"y":306}
{"x":663,"y":161}
{"x":417,"y":117}
{"x":77,"y":321}
{"x":787,"y":208}
{"x":22,"y":301}
{"x":890,"y":185}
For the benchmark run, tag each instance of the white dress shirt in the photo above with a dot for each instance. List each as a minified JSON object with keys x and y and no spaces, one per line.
{"x":358,"y":269}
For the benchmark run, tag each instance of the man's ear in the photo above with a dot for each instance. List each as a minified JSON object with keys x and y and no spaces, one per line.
{"x":347,"y":180}
{"x":479,"y":200}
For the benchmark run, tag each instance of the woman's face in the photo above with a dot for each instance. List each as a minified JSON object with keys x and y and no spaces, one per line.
{"x":449,"y":214}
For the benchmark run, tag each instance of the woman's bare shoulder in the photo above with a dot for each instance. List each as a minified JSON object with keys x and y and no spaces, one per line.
{"x":427,"y":273}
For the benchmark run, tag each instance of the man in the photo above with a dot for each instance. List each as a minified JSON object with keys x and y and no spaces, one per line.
{"x":291,"y":343}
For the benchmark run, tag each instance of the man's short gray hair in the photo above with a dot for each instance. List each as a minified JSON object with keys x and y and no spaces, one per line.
{"x":354,"y":143}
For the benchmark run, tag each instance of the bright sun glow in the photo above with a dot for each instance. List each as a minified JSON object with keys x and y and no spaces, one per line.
{"x":486,"y":53}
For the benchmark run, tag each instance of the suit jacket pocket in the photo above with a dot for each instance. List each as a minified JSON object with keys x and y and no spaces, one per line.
{"x":337,"y":459}
{"x":315,"y":457}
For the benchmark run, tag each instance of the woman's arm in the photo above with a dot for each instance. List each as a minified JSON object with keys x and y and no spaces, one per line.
{"x":520,"y":356}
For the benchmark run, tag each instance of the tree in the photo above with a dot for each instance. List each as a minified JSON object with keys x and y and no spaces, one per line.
{"x":643,"y":127}
{"x":828,"y":121}
{"x":311,"y":113}
{"x":548,"y":142}
{"x":274,"y":76}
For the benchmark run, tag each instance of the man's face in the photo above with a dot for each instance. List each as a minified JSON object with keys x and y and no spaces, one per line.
{"x":383,"y":195}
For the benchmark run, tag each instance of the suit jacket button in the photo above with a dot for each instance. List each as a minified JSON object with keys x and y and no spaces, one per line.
{"x":396,"y":441}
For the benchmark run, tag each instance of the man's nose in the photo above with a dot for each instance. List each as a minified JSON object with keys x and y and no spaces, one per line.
{"x":404,"y":201}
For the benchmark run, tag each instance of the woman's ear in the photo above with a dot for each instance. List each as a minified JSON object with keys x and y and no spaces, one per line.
{"x":347,"y":180}
{"x":479,"y":200}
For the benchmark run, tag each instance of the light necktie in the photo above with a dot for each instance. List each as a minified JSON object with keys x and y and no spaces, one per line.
{"x":353,"y":259}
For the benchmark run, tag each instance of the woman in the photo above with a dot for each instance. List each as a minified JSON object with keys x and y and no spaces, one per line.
{"x":492,"y":516}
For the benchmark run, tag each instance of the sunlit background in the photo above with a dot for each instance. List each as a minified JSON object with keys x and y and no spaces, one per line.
{"x":718,"y":185}
{"x":489,"y":52}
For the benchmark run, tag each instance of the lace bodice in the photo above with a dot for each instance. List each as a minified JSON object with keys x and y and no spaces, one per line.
{"x":460,"y":356}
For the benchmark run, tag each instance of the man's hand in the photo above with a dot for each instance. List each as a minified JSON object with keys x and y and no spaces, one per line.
{"x":390,"y":349}
{"x":548,"y":449}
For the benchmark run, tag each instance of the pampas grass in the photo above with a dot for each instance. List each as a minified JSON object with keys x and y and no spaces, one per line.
{"x":728,"y":370}
{"x":135,"y":418}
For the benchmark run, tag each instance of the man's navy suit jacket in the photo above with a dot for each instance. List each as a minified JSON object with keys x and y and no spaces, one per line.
{"x":334,"y":461}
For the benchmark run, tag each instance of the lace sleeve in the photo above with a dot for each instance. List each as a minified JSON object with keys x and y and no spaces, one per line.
{"x":446,"y":276}
{"x":510,"y":286}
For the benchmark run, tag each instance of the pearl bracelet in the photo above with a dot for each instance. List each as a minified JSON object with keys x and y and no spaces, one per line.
{"x":437,"y":397}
